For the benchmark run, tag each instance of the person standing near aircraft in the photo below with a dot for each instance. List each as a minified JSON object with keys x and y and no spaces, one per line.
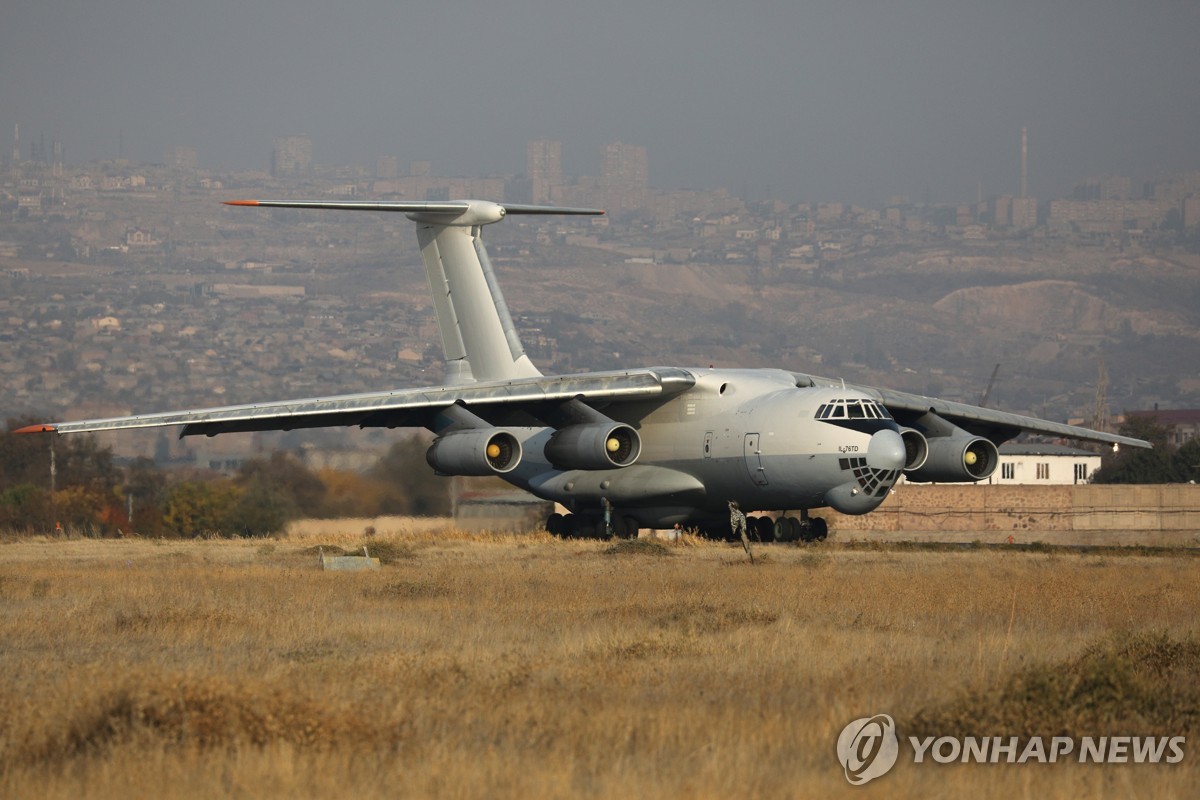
{"x":737,"y":521}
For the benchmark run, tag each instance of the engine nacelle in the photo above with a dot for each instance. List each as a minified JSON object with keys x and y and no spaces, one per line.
{"x":916,"y":449}
{"x":958,"y":458}
{"x":601,"y":445}
{"x":487,"y":451}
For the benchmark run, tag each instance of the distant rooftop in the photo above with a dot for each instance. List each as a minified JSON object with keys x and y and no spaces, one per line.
{"x":1041,"y":449}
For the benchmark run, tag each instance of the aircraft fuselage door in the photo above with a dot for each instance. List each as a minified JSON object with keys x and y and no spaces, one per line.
{"x":754,"y":460}
{"x":708,"y":437}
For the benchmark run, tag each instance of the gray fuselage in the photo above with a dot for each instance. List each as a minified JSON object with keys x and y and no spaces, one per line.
{"x":745,"y":435}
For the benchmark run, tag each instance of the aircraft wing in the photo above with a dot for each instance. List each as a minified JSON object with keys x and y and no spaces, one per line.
{"x":998,"y":426}
{"x":510,"y":402}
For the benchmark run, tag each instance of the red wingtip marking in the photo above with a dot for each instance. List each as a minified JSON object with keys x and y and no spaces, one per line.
{"x":36,"y":429}
{"x":241,"y":202}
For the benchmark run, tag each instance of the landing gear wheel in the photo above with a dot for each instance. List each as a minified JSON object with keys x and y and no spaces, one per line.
{"x":787,"y":529}
{"x":795,"y":529}
{"x":820,"y":529}
{"x":555,"y":525}
{"x":764,"y":529}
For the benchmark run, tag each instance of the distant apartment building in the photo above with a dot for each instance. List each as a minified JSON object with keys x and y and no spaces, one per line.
{"x":1014,"y":212}
{"x":626,"y":177}
{"x":543,"y":165}
{"x":626,"y":165}
{"x":291,"y":156}
{"x":1108,"y":187}
{"x":182,"y":158}
{"x":1174,"y":188}
{"x":1191,"y":211}
{"x":1106,"y":216}
{"x":1024,"y":213}
{"x":387,"y":167}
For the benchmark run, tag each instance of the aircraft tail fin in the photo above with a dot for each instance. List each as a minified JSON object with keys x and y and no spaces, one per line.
{"x":479,"y":338}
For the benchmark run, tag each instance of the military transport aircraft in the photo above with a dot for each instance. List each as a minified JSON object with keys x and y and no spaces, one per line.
{"x":660,"y":444}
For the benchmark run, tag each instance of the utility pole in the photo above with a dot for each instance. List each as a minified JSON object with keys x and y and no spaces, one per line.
{"x":54,"y":526}
{"x":1100,"y":411}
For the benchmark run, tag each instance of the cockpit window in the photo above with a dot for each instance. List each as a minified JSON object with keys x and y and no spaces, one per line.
{"x":852,"y":409}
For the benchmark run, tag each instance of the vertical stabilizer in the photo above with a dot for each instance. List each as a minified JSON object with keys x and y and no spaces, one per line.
{"x":478,"y":335}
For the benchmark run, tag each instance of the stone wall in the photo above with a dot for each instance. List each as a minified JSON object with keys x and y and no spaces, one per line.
{"x":1091,"y":514}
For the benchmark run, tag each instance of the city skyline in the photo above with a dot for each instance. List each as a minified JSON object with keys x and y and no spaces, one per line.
{"x":826,"y":102}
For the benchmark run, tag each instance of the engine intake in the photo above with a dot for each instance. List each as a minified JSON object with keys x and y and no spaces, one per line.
{"x":594,"y":446}
{"x":954,"y":459}
{"x":916,"y":449}
{"x":489,"y":451}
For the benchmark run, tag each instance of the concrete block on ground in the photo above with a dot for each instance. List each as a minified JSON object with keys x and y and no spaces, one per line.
{"x":350,"y":563}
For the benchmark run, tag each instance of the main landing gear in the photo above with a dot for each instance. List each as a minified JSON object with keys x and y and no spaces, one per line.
{"x":765,"y":529}
{"x":762,"y":529}
{"x":804,"y":528}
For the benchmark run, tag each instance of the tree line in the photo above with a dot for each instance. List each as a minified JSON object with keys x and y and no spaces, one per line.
{"x":88,"y":492}
{"x":1165,"y":463}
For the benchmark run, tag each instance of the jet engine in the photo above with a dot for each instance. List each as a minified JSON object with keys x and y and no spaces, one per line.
{"x":916,"y":449}
{"x":594,"y":446}
{"x":957,"y":458}
{"x":487,"y":451}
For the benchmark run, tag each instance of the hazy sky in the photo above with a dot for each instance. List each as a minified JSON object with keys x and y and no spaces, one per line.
{"x":824,"y":100}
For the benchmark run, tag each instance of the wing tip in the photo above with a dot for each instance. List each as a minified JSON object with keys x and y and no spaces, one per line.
{"x":240,"y":202}
{"x":39,"y":428}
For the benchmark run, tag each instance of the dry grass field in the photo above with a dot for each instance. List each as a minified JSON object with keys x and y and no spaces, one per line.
{"x":523,"y":666}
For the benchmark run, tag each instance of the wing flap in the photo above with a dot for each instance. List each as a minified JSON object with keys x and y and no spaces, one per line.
{"x":405,"y":407}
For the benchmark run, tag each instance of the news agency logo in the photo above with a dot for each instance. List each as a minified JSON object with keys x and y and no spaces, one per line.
{"x":868,"y":748}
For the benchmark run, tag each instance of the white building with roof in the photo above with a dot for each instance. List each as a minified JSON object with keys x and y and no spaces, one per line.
{"x":1044,"y":464}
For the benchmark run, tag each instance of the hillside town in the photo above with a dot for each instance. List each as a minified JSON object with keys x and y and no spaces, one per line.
{"x":128,"y":287}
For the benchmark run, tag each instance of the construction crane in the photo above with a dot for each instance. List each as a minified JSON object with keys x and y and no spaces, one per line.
{"x":983,"y":398}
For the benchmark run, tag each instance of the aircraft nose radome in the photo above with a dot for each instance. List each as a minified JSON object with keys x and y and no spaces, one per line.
{"x":886,"y":451}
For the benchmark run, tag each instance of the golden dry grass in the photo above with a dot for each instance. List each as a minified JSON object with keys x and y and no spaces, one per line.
{"x":501,"y":666}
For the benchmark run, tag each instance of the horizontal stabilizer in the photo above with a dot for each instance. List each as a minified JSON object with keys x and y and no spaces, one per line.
{"x":441,"y":212}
